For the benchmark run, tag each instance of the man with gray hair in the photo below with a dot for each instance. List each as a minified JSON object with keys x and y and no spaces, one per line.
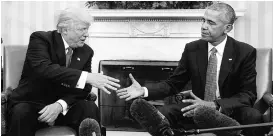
{"x":56,"y":78}
{"x":223,"y":78}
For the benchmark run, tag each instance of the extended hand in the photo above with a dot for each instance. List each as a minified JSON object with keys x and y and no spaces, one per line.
{"x":102,"y":82}
{"x":131,"y":92}
{"x":195,"y":101}
{"x":50,"y":112}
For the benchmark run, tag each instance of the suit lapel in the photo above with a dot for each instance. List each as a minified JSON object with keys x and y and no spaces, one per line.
{"x":227,"y":61}
{"x":59,"y":48}
{"x":202,"y":60}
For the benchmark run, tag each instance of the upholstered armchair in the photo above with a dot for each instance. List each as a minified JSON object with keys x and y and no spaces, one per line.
{"x":264,"y":100}
{"x":14,"y":57}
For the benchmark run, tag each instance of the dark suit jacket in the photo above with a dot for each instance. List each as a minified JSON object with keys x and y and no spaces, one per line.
{"x":45,"y":79}
{"x":237,"y":77}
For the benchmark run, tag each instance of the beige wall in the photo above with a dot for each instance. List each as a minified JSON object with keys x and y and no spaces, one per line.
{"x":19,"y":19}
{"x":256,"y":27}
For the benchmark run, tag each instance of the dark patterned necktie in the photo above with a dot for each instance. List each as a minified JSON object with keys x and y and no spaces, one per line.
{"x":68,"y":56}
{"x":211,"y":83}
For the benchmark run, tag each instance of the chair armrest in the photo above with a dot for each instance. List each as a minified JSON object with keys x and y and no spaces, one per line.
{"x":91,"y":97}
{"x":268,"y":98}
{"x":4,"y":100}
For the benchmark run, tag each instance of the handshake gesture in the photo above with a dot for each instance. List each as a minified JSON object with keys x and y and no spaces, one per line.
{"x":104,"y":83}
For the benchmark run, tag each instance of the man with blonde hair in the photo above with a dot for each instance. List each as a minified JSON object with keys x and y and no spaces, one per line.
{"x":56,"y":78}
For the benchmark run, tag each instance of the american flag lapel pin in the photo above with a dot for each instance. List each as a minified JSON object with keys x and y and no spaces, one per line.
{"x":230,"y":59}
{"x":78,"y":59}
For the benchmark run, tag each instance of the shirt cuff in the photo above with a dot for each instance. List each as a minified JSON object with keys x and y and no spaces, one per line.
{"x":82,"y":80}
{"x":64,"y":106}
{"x":145,"y":92}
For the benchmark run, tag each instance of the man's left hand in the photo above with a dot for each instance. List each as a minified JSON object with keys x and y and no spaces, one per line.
{"x":50,"y":112}
{"x":194,"y":102}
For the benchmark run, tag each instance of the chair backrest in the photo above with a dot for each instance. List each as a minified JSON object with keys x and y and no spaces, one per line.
{"x":14,"y":57}
{"x":264,"y":76}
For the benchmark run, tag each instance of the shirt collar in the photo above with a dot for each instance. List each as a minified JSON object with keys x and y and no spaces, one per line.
{"x":65,"y":43}
{"x":220,"y":47}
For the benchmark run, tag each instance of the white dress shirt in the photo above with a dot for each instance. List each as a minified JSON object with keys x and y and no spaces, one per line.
{"x":220,"y":51}
{"x":80,"y":84}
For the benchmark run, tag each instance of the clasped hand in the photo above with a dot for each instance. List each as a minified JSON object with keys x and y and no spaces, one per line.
{"x":102,"y":82}
{"x":194,"y":102}
{"x":131,"y":92}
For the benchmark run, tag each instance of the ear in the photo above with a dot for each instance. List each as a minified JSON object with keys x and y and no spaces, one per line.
{"x":65,"y":31}
{"x":228,"y":28}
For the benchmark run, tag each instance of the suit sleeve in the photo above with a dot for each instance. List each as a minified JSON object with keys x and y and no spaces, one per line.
{"x":174,"y":84}
{"x":247,"y":94}
{"x":38,"y":58}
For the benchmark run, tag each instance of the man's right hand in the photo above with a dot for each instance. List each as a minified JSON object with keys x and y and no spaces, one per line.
{"x":102,"y":82}
{"x":131,"y":92}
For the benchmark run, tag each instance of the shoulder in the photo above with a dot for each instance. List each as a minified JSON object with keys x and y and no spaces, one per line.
{"x":43,"y":35}
{"x":88,"y":49}
{"x":242,"y":47}
{"x":194,"y":45}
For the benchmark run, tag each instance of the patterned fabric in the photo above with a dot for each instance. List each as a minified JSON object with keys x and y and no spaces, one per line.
{"x":3,"y":113}
{"x":211,"y":83}
{"x":68,"y":56}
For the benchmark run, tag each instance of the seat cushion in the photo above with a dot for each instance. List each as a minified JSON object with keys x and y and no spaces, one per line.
{"x":56,"y":131}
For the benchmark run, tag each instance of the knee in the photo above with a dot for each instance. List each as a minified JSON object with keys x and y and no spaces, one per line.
{"x":250,"y":116}
{"x":87,"y":107}
{"x":167,"y":110}
{"x":21,"y":111}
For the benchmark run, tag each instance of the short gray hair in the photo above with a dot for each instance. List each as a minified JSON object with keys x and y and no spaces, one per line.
{"x":226,"y":9}
{"x":66,"y":18}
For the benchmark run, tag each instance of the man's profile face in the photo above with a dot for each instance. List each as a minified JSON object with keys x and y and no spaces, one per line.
{"x":213,"y":26}
{"x":77,"y":34}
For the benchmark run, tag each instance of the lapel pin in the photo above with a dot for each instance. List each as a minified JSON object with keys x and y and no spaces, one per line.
{"x":78,"y":59}
{"x":230,"y":59}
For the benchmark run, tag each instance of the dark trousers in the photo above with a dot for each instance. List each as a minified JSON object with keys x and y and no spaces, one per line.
{"x":23,"y":117}
{"x":245,"y":115}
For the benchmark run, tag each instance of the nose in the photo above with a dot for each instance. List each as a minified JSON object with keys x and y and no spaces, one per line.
{"x":204,"y":25}
{"x":86,"y":34}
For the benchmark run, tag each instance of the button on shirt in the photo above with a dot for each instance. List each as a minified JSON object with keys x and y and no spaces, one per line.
{"x":80,"y":84}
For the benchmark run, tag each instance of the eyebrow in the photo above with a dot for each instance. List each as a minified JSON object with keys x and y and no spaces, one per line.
{"x":208,"y":20}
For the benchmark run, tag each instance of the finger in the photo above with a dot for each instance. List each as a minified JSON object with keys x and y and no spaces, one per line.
{"x":122,"y":93}
{"x":190,"y":107}
{"x":124,"y":96}
{"x":189,"y":101}
{"x":129,"y":98}
{"x":112,"y":79}
{"x":113,"y":84}
{"x":43,"y":116}
{"x":122,"y":90}
{"x":132,"y":78}
{"x":186,"y":93}
{"x":105,"y":90}
{"x":189,"y":113}
{"x":110,"y":87}
{"x":194,"y":96}
{"x":43,"y":110}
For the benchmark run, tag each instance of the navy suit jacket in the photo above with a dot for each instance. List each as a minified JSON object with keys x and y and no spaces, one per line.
{"x":237,"y":77}
{"x":45,"y":78}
